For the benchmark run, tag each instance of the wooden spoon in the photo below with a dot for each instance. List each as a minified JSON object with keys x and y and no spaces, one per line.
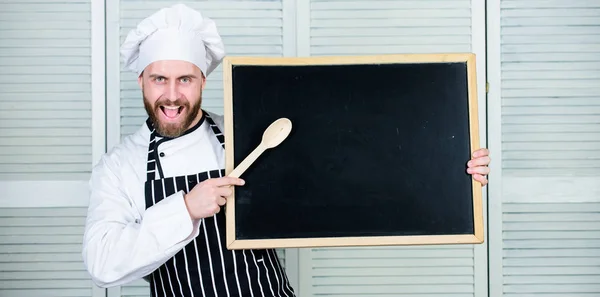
{"x":272,"y":137}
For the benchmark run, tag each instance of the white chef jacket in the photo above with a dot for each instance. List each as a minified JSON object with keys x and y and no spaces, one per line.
{"x":123,"y":240}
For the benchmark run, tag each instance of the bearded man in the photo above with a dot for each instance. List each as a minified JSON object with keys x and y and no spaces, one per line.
{"x":156,"y":202}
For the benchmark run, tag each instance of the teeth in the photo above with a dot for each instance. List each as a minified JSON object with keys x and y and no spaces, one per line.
{"x":171,"y":107}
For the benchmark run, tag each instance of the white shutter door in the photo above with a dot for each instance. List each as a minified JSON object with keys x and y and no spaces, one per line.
{"x":546,"y":230}
{"x":248,"y":28}
{"x":551,"y":87}
{"x":364,"y":27}
{"x":48,"y":141}
{"x":45,"y":90}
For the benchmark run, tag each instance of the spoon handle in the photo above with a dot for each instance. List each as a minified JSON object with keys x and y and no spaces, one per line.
{"x":241,"y":168}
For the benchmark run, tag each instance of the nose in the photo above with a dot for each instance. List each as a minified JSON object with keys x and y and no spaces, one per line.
{"x":172,"y":93}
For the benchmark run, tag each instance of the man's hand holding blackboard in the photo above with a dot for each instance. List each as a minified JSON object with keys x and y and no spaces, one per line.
{"x":207,"y":197}
{"x":478,"y":165}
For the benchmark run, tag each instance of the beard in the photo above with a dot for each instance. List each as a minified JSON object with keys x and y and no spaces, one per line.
{"x":172,"y":130}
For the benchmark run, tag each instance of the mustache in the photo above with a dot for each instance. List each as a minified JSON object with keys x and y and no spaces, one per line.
{"x":168,"y":102}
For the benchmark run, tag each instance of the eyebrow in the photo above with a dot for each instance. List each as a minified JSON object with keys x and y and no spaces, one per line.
{"x":186,"y":75}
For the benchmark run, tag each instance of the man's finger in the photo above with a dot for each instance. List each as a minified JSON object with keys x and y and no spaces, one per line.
{"x":223,"y":191}
{"x":481,"y":152}
{"x":479,"y":170}
{"x":479,"y":161}
{"x":481,"y":179}
{"x":228,"y":180}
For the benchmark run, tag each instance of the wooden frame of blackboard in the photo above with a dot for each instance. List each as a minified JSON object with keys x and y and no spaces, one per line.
{"x":234,"y":243}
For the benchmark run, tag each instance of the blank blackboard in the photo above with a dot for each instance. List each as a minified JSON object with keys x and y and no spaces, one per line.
{"x":376,"y":156}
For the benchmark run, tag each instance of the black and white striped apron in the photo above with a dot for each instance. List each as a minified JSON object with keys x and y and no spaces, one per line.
{"x":205,"y":267}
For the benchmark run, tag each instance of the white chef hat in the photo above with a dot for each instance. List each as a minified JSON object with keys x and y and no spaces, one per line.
{"x":174,"y":33}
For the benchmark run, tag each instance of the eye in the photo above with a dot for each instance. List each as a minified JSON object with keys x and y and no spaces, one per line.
{"x":159,"y":79}
{"x":185,"y":80}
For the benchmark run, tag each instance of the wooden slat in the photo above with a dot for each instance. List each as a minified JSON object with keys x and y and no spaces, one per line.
{"x":389,"y":253}
{"x":407,"y":262}
{"x":400,"y":13}
{"x":17,"y":60}
{"x":41,"y":275}
{"x":42,"y":230}
{"x":394,"y":271}
{"x":46,"y":6}
{"x":149,"y":7}
{"x":567,"y":253}
{"x":391,"y":280}
{"x":407,"y":40}
{"x":360,"y":289}
{"x":376,"y":4}
{"x":511,"y":4}
{"x":48,"y":292}
{"x":39,"y":257}
{"x":43,"y":176}
{"x":58,"y":132}
{"x":45,"y":284}
{"x":392,"y":32}
{"x":40,"y":248}
{"x":553,"y":288}
{"x":43,"y":88}
{"x":550,"y":271}
{"x":428,"y":21}
{"x":552,"y":12}
{"x":373,"y":49}
{"x":551,"y":119}
{"x":550,"y":207}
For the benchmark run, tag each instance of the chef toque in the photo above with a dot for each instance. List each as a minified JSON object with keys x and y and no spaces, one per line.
{"x":174,"y":33}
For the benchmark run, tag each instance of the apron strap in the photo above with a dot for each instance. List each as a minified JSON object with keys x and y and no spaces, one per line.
{"x":151,"y":164}
{"x":216,"y":130}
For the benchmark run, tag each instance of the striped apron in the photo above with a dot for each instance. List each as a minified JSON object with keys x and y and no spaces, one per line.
{"x":205,"y":267}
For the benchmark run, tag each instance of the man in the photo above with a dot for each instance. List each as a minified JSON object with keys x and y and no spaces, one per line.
{"x":156,"y":198}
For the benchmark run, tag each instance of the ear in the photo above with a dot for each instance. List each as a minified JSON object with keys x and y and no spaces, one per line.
{"x":141,"y":80}
{"x":203,"y":81}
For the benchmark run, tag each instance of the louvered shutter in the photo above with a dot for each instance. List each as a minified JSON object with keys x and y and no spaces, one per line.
{"x":45,"y":90}
{"x":40,"y":252}
{"x":546,"y":229}
{"x":46,"y":145}
{"x":385,"y":27}
{"x":551,"y":87}
{"x":551,"y":248}
{"x":248,"y":28}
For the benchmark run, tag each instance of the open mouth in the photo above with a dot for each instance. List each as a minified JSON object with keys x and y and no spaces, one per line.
{"x":171,"y":112}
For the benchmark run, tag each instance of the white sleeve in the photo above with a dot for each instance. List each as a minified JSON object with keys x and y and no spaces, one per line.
{"x":117,"y":247}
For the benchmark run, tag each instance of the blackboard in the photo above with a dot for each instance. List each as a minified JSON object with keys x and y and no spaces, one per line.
{"x":376,"y":156}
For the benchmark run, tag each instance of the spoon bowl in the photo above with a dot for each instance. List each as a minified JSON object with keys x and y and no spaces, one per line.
{"x":277,"y":132}
{"x":274,"y":135}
